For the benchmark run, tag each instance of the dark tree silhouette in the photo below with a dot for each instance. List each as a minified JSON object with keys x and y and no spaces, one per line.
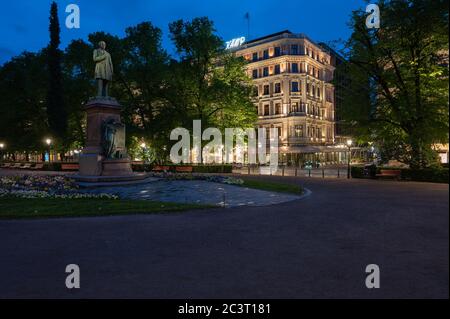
{"x":56,"y":111}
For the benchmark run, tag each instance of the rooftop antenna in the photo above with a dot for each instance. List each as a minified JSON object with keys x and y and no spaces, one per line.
{"x":247,"y":17}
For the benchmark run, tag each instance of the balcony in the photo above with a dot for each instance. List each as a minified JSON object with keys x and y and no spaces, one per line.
{"x":298,"y":113}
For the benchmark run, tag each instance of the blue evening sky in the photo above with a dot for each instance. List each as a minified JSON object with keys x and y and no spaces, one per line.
{"x":24,"y":23}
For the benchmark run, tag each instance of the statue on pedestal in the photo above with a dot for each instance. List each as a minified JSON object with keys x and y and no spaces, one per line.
{"x":104,"y":157}
{"x":103,"y":69}
{"x":113,"y":139}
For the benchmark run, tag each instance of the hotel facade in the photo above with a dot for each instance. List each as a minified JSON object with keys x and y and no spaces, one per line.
{"x":294,"y":93}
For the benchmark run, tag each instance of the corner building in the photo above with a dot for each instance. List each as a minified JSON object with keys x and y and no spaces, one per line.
{"x":292,"y":75}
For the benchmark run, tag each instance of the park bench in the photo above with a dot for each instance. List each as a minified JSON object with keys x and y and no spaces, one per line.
{"x":16,"y":165}
{"x":70,"y":167}
{"x":160,"y":168}
{"x":6,"y":165}
{"x":390,"y":173}
{"x":26,"y":166}
{"x":183,"y":169}
{"x":38,"y":166}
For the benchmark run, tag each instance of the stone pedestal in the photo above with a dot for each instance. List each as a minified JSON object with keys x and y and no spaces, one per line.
{"x":93,"y":164}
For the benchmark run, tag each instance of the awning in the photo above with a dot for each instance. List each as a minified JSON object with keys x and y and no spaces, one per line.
{"x":310,"y":149}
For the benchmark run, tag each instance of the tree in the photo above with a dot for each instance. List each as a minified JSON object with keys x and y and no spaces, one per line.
{"x":56,"y":111}
{"x":208,"y":83}
{"x":406,"y":65}
{"x":23,"y":92}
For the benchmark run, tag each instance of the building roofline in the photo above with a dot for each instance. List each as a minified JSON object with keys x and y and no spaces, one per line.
{"x":268,"y":36}
{"x":285,"y":34}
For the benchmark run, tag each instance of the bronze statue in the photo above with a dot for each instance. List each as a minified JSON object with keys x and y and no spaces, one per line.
{"x":113,"y":139}
{"x":103,"y":69}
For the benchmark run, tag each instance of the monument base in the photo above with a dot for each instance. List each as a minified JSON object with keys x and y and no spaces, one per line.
{"x":116,"y":167}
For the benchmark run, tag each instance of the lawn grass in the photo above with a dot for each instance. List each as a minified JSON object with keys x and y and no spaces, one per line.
{"x":273,"y":186}
{"x":16,"y":208}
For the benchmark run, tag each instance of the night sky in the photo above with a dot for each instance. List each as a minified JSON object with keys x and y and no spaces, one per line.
{"x":24,"y":23}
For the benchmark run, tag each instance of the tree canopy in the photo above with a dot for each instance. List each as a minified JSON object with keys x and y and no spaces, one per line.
{"x":158,"y":92}
{"x":405,"y":67}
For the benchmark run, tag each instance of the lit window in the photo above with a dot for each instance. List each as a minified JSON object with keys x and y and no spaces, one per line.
{"x":277,"y":87}
{"x":277,"y":69}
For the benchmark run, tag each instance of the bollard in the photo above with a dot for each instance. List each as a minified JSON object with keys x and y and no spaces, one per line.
{"x":249,"y":170}
{"x":339,"y":176}
{"x":296,"y":172}
{"x":282,"y":171}
{"x":309,"y":173}
{"x":323,"y":172}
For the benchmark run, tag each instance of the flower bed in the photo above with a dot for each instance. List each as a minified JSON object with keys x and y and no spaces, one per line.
{"x":29,"y":186}
{"x":51,"y":187}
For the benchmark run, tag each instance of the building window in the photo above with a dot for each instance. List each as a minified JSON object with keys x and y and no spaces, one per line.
{"x":266,"y":71}
{"x":277,"y":69}
{"x":266,"y":89}
{"x":255,"y":73}
{"x":298,"y":130}
{"x":302,"y":107}
{"x":266,"y":54}
{"x":255,"y":57}
{"x":294,"y":49}
{"x":294,"y":67}
{"x":319,"y":132}
{"x":307,"y":88}
{"x":278,"y":108}
{"x":318,"y":92}
{"x":277,"y":87}
{"x":294,"y":86}
{"x":277,"y":51}
{"x":266,"y":110}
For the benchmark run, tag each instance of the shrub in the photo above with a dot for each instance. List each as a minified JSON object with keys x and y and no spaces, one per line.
{"x":433,"y":175}
{"x":52,"y":166}
{"x":142,"y":167}
{"x":212,"y":169}
{"x":357,"y":172}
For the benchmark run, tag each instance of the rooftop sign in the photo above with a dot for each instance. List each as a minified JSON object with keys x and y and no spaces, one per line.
{"x":235,"y":43}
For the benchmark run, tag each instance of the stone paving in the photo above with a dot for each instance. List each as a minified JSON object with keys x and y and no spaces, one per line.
{"x":201,"y":192}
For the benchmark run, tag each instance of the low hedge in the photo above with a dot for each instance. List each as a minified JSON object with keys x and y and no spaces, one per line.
{"x":212,"y":169}
{"x":432,"y":175}
{"x":358,"y":172}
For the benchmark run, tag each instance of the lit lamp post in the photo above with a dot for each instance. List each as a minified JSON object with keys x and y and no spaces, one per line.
{"x":349,"y":145}
{"x":2,"y":146}
{"x":48,"y":141}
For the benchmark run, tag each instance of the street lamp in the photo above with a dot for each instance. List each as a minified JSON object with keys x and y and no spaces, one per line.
{"x":48,"y":141}
{"x":349,"y":145}
{"x":2,"y":146}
